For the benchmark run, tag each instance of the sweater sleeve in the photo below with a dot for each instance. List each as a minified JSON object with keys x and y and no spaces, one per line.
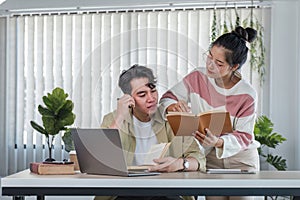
{"x":242,"y":137}
{"x":176,"y":93}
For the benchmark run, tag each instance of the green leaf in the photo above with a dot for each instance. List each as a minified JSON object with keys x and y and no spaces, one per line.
{"x":225,"y":28}
{"x":65,"y":109}
{"x":67,"y":138}
{"x":274,"y":139}
{"x":214,"y":27}
{"x":56,"y":100}
{"x":38,"y":127}
{"x":48,"y":103}
{"x":49,"y":124}
{"x":58,"y":92}
{"x":263,"y":132}
{"x":68,"y":120}
{"x":44,"y":111}
{"x":277,"y":161}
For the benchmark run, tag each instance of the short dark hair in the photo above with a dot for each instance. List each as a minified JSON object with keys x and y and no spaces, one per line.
{"x":135,"y":71}
{"x":235,"y":43}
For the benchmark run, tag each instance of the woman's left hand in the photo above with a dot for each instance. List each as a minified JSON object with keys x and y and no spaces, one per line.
{"x":208,"y":139}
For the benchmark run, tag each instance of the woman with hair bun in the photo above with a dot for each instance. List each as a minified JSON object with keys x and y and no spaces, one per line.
{"x":221,"y":87}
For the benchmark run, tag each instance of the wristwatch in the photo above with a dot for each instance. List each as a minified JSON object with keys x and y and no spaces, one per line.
{"x":186,"y":164}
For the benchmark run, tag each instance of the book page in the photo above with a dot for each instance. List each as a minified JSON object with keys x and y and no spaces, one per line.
{"x":170,"y":113}
{"x":212,"y":111}
{"x":138,"y":167}
{"x":156,"y":151}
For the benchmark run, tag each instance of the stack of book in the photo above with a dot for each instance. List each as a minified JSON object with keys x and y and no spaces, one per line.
{"x":52,"y":168}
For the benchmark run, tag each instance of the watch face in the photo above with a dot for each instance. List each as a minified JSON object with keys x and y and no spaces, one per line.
{"x":186,"y":164}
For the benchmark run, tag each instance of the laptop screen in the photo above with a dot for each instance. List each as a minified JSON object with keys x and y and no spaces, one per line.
{"x":99,"y":151}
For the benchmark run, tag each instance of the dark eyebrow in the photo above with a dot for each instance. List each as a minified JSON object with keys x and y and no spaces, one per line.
{"x":141,"y":92}
{"x":220,"y":61}
{"x":217,"y":59}
{"x":151,"y":85}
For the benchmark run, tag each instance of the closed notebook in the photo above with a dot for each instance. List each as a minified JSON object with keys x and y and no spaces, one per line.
{"x":51,"y":169}
{"x":184,"y":124}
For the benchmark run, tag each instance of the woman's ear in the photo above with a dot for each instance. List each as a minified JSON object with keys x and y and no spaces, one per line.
{"x":236,"y":72}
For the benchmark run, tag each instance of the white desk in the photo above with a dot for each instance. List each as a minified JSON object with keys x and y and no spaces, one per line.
{"x":183,"y":183}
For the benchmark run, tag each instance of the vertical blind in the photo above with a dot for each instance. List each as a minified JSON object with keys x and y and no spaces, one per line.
{"x":85,"y":53}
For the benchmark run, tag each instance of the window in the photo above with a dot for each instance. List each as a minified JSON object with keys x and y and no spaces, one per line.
{"x":85,"y":53}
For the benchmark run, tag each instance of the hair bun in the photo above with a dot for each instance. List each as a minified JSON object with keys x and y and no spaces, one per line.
{"x":248,"y":34}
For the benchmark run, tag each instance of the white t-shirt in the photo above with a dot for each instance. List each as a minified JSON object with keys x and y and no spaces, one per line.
{"x":145,"y":138}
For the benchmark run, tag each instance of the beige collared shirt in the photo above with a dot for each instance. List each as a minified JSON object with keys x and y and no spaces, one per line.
{"x":186,"y":146}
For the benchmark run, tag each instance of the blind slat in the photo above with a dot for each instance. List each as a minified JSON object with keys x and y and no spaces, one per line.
{"x":86,"y":70}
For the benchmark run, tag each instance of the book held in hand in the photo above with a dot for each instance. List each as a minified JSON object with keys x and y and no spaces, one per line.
{"x":51,"y":169}
{"x":184,"y":124}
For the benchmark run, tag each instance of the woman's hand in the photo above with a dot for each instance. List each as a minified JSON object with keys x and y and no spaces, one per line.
{"x":208,"y":139}
{"x":180,"y":106}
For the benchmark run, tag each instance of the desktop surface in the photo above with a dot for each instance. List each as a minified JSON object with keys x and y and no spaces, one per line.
{"x":181,"y":183}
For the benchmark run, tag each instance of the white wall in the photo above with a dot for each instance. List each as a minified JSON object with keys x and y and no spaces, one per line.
{"x":3,"y":148}
{"x":284,"y":81}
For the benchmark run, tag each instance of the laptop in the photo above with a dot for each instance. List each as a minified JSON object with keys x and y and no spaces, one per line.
{"x":99,"y":151}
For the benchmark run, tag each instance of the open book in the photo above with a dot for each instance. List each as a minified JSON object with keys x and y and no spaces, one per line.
{"x":155,"y":151}
{"x":184,"y":124}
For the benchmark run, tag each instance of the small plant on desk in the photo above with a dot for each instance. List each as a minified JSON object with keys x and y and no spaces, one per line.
{"x":56,"y":116}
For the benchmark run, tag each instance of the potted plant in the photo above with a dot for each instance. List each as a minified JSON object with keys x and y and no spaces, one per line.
{"x":56,"y":116}
{"x":264,"y":134}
